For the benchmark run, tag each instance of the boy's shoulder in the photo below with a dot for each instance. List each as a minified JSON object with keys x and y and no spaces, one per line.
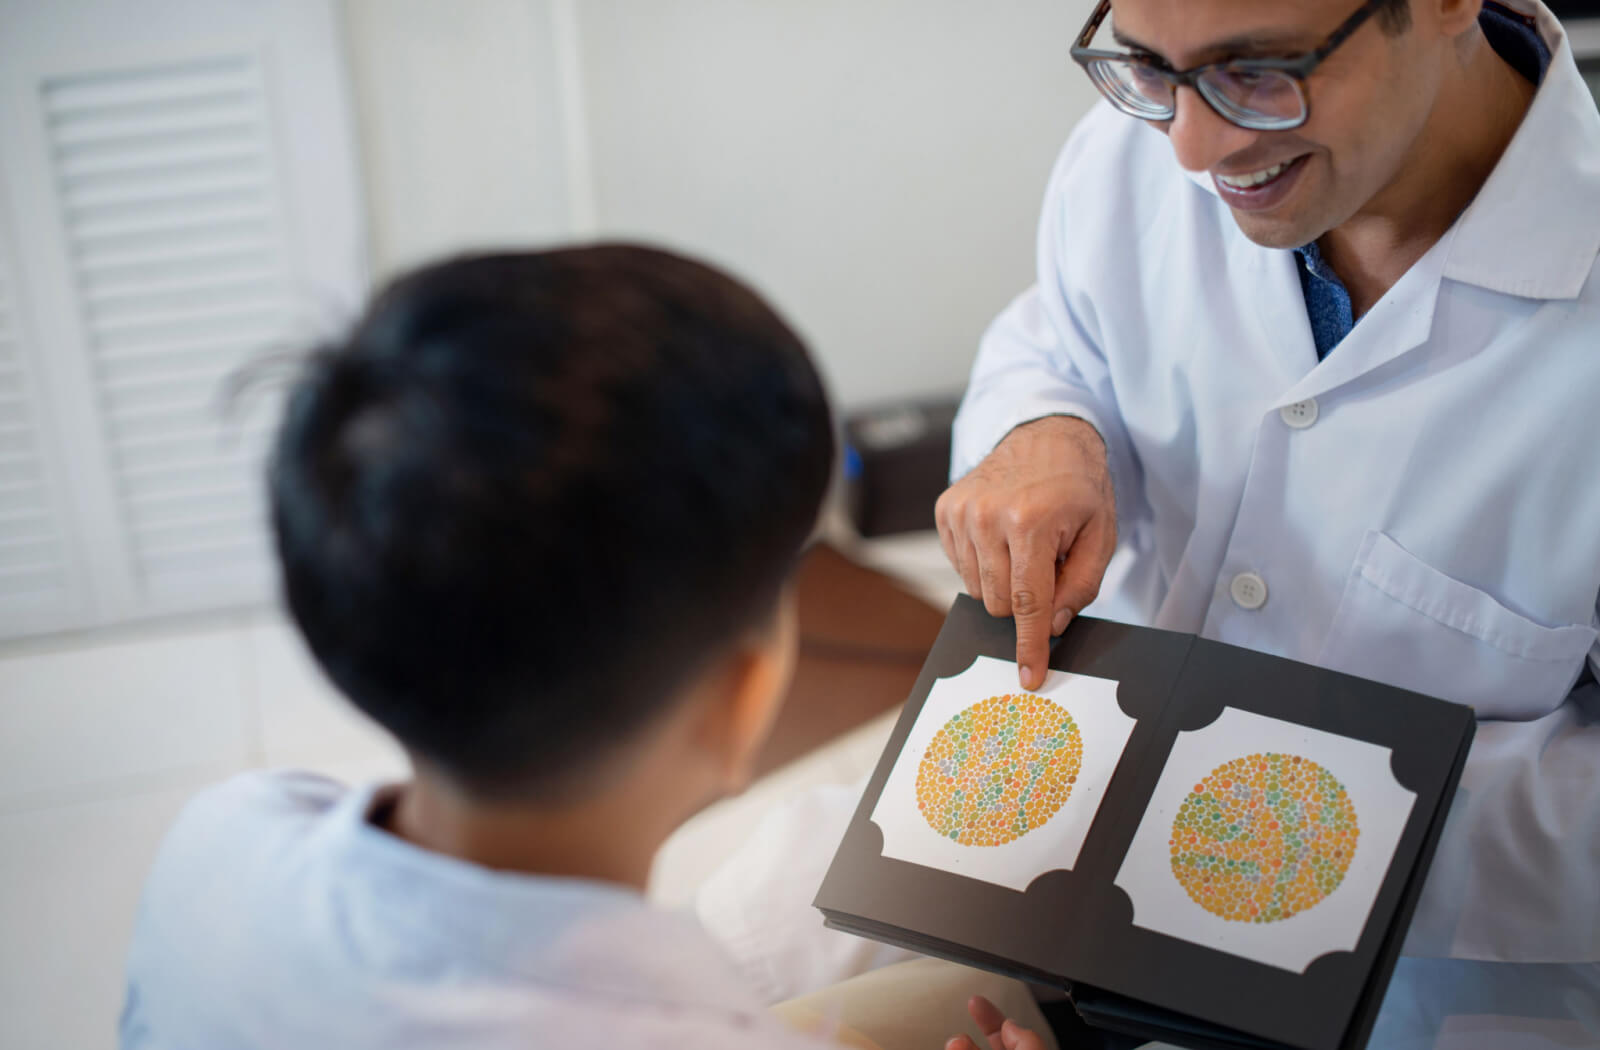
{"x":267,"y":793}
{"x":242,"y":815}
{"x":217,"y":861}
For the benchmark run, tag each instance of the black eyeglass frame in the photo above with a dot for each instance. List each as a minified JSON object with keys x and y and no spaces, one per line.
{"x":1297,"y":68}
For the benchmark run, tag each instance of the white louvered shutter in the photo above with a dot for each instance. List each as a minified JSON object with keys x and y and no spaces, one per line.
{"x":188,"y":211}
{"x":169,"y":198}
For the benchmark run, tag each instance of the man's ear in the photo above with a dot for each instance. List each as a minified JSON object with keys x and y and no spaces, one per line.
{"x":756,"y":681}
{"x":1453,"y":17}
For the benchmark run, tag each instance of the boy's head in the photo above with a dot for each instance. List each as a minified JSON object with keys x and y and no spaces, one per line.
{"x":534,"y":495}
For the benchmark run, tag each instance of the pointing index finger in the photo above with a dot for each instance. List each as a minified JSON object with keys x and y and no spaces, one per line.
{"x":1033,"y":587}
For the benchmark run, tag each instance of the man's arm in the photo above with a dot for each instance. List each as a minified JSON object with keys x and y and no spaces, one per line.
{"x":1031,"y":519}
{"x":1031,"y":530}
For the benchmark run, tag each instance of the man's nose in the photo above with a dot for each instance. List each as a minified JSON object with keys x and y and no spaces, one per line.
{"x":1200,"y":137}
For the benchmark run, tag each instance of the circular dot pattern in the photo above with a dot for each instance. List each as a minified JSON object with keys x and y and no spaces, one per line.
{"x":1264,"y":837}
{"x":999,"y":769}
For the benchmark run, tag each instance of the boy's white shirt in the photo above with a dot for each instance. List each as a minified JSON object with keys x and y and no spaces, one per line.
{"x":276,"y":915}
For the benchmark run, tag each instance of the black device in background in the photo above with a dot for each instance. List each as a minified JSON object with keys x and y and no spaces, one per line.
{"x":897,"y":462}
{"x":1569,"y":9}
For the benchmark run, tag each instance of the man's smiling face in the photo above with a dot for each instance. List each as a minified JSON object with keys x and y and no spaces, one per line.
{"x":1369,"y":103}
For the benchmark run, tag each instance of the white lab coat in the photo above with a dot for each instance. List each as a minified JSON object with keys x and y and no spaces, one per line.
{"x":1421,"y":508}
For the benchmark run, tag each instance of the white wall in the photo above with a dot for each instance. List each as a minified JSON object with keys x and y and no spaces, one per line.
{"x":875,"y":167}
{"x":465,"y":139}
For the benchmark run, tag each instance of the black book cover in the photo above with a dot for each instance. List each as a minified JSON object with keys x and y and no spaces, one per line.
{"x":1318,"y":802}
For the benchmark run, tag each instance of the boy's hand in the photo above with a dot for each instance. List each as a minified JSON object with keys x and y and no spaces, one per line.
{"x":1001,"y":1032}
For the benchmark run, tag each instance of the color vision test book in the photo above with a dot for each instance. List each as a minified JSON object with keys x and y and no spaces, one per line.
{"x":1199,"y":843}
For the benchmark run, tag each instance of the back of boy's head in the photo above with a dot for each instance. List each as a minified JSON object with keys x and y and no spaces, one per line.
{"x":532,"y":494}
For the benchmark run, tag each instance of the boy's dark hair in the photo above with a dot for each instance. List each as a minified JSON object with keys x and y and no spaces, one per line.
{"x":533,"y":492}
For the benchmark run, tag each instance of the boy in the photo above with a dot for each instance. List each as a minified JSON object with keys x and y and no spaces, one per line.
{"x":536,"y":518}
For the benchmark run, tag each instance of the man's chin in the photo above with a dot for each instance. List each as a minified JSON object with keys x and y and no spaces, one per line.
{"x":1276,"y":232}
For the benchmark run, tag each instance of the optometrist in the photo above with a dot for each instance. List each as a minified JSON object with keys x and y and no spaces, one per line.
{"x":1312,"y":364}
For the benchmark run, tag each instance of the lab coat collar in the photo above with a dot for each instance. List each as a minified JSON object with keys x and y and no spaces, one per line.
{"x":1529,"y":230}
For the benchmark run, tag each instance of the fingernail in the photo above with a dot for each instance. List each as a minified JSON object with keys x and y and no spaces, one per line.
{"x":1025,"y":673}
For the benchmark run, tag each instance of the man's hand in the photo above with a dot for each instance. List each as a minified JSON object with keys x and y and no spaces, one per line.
{"x":1031,"y":530}
{"x":998,"y":1030}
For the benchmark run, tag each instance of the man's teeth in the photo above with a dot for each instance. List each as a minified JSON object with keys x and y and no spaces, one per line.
{"x":1255,"y":178}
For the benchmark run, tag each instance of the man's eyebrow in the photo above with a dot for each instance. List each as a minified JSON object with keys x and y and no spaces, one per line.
{"x":1130,"y":43}
{"x":1244,"y":45}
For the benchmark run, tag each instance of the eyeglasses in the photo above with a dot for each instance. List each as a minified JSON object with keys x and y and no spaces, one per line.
{"x":1261,"y":94}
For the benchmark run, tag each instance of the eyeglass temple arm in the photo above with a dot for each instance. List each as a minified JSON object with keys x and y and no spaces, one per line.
{"x":1340,"y":35}
{"x":1093,"y":25}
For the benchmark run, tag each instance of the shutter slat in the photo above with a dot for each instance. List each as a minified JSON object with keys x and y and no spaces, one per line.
{"x":21,"y":552}
{"x":179,"y":309}
{"x":249,"y":437}
{"x":200,"y":424}
{"x":16,"y":582}
{"x":210,"y":95}
{"x":205,"y":514}
{"x":123,"y":351}
{"x":249,"y":201}
{"x":24,"y":470}
{"x":149,"y":505}
{"x":131,"y":177}
{"x":196,"y":79}
{"x":238,"y":532}
{"x":160,"y":291}
{"x":152,"y":159}
{"x":20,"y":522}
{"x":113,"y":268}
{"x":159,"y":222}
{"x":229,"y":235}
{"x":205,"y":559}
{"x":184,"y":121}
{"x":219,"y":453}
{"x":127,"y":193}
{"x":195,"y":320}
{"x":137,"y":407}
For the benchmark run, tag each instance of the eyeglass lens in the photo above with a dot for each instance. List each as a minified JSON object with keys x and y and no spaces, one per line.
{"x":1260,"y":99}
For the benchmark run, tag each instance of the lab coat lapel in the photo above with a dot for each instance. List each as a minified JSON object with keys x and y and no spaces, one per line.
{"x":1397,"y":324}
{"x":1400,"y":322}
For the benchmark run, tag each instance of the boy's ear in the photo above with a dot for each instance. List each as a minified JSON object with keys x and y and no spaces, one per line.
{"x":757,"y":680}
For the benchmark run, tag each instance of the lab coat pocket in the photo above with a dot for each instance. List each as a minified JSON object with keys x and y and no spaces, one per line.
{"x":1406,"y":623}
